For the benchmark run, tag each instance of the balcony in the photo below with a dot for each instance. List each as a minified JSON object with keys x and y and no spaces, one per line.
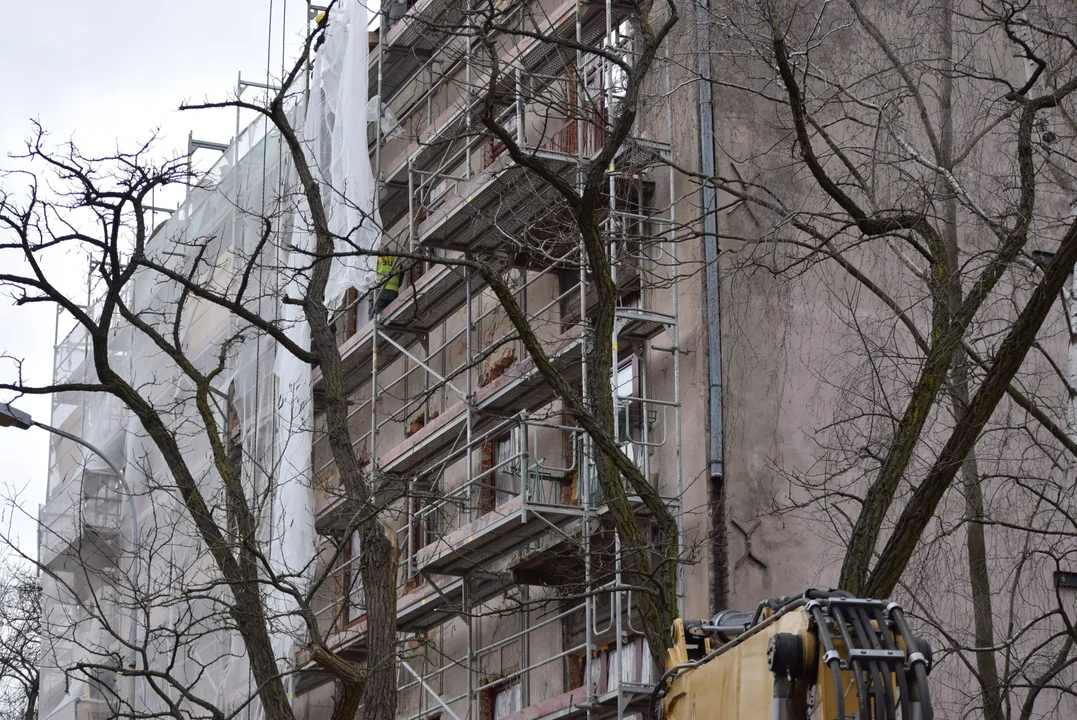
{"x":81,"y":525}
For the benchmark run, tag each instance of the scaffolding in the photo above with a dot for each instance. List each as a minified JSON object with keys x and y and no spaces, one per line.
{"x":510,"y":594}
{"x":511,"y":602}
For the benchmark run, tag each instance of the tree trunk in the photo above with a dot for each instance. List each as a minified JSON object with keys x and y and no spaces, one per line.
{"x":31,"y":699}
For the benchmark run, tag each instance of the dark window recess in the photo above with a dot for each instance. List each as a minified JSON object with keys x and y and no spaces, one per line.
{"x":501,"y":472}
{"x":423,"y":525}
{"x":347,"y":322}
{"x":575,"y":667}
{"x":350,"y":583}
{"x":233,"y":448}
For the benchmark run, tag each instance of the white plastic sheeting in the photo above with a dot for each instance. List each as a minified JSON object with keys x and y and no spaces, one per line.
{"x":336,"y":129}
{"x":215,"y":235}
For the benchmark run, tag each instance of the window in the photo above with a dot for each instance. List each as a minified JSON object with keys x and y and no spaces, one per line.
{"x":495,"y":328}
{"x":233,"y":449}
{"x":494,"y":147}
{"x":507,"y":476}
{"x":500,"y":470}
{"x":629,"y":407}
{"x":501,"y":701}
{"x":507,"y":701}
{"x":629,"y":225}
{"x":351,"y":583}
{"x":422,"y":528}
{"x":347,"y":319}
{"x":634,"y":660}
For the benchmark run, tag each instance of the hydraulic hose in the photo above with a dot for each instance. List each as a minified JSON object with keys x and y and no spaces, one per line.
{"x":899,"y":673}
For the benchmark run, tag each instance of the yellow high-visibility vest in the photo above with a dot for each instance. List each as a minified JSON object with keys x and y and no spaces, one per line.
{"x":386,"y":279}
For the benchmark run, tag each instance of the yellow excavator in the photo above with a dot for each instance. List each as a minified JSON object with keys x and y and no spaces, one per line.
{"x":821,"y":655}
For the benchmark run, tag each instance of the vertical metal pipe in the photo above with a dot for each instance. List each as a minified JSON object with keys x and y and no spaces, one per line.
{"x":617,"y":610}
{"x":470,"y":620}
{"x":374,"y":404}
{"x":467,"y":94}
{"x":519,"y":109}
{"x":239,"y":91}
{"x":711,"y":290}
{"x":525,"y":640}
{"x":382,"y":34}
{"x":675,"y":335}
{"x":411,"y":207}
{"x":469,"y":371}
{"x":711,"y":297}
{"x":414,"y":518}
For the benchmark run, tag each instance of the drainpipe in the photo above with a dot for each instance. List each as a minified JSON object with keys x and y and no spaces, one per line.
{"x":711,"y":310}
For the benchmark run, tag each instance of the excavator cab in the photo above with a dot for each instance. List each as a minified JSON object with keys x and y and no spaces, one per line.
{"x":822,"y":655}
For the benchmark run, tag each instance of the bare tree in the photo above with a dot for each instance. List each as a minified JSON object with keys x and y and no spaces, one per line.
{"x":175,"y":312}
{"x":925,"y":183}
{"x":20,"y":635}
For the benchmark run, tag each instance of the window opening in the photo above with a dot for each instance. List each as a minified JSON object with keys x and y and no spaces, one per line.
{"x":500,"y":359}
{"x":233,"y":450}
{"x":629,"y":407}
{"x":351,"y":583}
{"x":422,"y":527}
{"x":347,"y":322}
{"x":500,"y":472}
{"x":502,"y":700}
{"x":494,"y":147}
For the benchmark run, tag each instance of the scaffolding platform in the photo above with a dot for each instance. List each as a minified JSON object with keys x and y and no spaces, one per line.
{"x":411,"y":42}
{"x":498,"y":532}
{"x":521,"y":387}
{"x":428,"y":605}
{"x":504,"y":201}
{"x":641,"y":324}
{"x":435,"y":601}
{"x":420,"y":307}
{"x":628,"y":699}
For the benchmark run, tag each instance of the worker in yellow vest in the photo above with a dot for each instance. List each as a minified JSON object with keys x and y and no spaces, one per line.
{"x":388,"y":282}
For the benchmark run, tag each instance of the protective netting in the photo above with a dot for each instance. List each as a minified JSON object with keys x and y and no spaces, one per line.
{"x":246,"y":225}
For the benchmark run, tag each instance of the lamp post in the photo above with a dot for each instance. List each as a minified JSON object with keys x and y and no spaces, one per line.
{"x":13,"y":417}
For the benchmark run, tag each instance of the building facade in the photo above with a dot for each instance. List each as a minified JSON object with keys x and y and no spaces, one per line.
{"x":511,"y":601}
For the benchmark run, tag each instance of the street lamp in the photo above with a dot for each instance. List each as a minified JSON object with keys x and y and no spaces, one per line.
{"x":13,"y":417}
{"x":10,"y":417}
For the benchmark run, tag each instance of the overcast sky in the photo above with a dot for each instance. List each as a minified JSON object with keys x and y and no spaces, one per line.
{"x":107,"y":73}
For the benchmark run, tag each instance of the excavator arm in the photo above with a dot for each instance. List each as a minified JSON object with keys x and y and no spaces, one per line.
{"x":819,"y":656}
